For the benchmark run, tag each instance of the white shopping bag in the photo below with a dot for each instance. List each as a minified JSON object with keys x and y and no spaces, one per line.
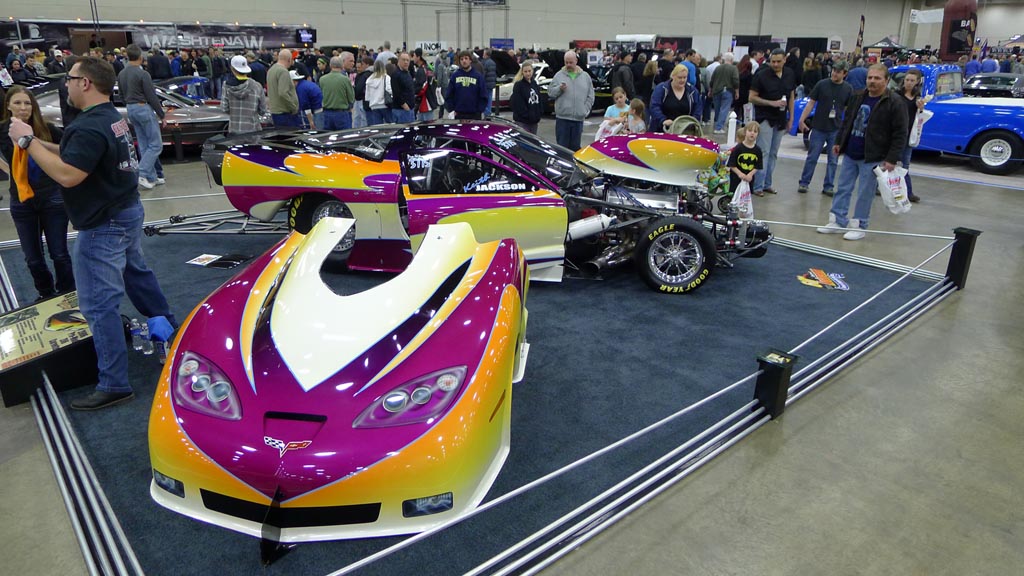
{"x":741,"y":198}
{"x":607,"y":129}
{"x":919,"y":119}
{"x":748,"y":113}
{"x":893,"y":188}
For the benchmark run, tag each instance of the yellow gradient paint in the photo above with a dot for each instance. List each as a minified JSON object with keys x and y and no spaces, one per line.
{"x":338,"y":170}
{"x":258,"y":295}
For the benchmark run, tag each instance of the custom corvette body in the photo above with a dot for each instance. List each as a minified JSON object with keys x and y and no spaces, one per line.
{"x":623,"y":197}
{"x":289,"y":412}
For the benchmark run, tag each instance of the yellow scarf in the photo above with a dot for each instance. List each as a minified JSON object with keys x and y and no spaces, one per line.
{"x":19,"y":171}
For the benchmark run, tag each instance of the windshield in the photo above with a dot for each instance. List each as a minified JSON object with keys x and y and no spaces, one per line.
{"x":552,"y":161}
{"x":1000,"y":81}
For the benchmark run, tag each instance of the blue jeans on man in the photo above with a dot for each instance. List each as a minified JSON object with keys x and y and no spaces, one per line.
{"x":358,"y":115}
{"x":768,"y":140}
{"x":568,"y":133}
{"x":45,"y":216}
{"x":490,"y":100}
{"x":816,"y":140}
{"x":723,"y":105}
{"x":147,"y":131}
{"x":337,"y":120}
{"x":859,"y":174}
{"x":400,"y":116}
{"x":286,"y":120}
{"x":426,"y":116}
{"x":109,"y":263}
{"x":905,"y":161}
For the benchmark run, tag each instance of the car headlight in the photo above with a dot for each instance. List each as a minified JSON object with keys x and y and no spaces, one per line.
{"x":417,"y":400}
{"x":197,"y":384}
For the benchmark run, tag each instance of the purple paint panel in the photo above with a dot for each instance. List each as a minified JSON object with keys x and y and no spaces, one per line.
{"x":380,"y":255}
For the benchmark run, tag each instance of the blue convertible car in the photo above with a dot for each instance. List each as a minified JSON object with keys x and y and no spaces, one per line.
{"x":988,"y":130}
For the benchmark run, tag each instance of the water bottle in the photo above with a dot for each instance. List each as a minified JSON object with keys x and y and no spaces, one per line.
{"x":136,"y":330}
{"x":161,"y":351}
{"x":147,"y":344}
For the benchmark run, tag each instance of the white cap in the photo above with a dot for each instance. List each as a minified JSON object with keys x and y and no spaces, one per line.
{"x":240,"y":64}
{"x":294,"y":74}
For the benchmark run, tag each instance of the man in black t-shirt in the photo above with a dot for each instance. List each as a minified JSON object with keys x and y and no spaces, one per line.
{"x":97,"y":167}
{"x":771,"y":93}
{"x":831,"y":95}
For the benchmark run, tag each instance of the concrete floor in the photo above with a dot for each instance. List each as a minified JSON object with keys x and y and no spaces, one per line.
{"x":909,"y":462}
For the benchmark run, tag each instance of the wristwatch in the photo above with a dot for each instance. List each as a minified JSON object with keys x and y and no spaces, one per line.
{"x":25,"y":141}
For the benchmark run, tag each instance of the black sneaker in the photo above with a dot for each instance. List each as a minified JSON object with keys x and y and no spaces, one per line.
{"x":802,"y":189}
{"x":915,"y":199}
{"x":828,"y":193}
{"x":99,"y":399}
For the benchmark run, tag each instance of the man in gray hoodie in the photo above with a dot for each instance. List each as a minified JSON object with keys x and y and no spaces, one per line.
{"x":573,"y":93}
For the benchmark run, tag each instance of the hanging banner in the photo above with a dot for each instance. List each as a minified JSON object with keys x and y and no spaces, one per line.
{"x":860,"y":37}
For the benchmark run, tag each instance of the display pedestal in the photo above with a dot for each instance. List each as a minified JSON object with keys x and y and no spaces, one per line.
{"x":50,"y":336}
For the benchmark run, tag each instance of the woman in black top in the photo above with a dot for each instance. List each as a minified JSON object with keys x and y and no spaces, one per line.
{"x":526,"y":105}
{"x":912,"y":98}
{"x":671,"y":99}
{"x":36,"y":204}
{"x":745,"y":69}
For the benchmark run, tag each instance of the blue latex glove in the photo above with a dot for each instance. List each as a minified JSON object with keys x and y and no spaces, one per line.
{"x":160,"y":329}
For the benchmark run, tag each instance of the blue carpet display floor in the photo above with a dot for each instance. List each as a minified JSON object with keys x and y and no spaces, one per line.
{"x":607,"y":358}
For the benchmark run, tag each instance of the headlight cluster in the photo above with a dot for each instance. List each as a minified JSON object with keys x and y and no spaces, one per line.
{"x":415,"y":401}
{"x":200,"y":386}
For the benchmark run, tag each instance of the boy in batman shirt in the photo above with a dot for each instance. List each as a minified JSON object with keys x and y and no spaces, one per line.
{"x":745,"y":159}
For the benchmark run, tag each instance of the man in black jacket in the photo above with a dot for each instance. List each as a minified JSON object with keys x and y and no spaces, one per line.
{"x":158,"y":65}
{"x":874,"y":133}
{"x":364,"y":68}
{"x":622,"y":74}
{"x":403,"y":105}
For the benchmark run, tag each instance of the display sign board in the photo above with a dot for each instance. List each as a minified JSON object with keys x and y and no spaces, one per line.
{"x":503,"y":43}
{"x":50,"y":335}
{"x":432,"y":46}
{"x":585,"y":44}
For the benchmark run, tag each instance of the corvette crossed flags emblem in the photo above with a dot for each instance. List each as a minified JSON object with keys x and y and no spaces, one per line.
{"x":283,"y":446}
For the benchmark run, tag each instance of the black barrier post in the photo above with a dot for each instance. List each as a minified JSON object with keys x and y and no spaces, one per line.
{"x":179,"y":150}
{"x":773,"y":384}
{"x":960,"y":258}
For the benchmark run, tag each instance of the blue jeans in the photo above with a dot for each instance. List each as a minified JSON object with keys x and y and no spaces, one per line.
{"x":336,"y":120}
{"x":147,"y":130}
{"x":426,"y":116}
{"x":905,"y":160}
{"x":854,"y":173}
{"x":358,"y":115}
{"x":286,"y":120}
{"x":817,"y":139}
{"x":109,"y":263}
{"x":399,"y":116}
{"x":33,"y":219}
{"x":768,"y":140}
{"x":375,"y":117}
{"x":490,"y":100}
{"x":568,"y":133}
{"x":723,"y":105}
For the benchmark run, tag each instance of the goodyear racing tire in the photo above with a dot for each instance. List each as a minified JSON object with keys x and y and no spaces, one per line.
{"x":997,"y":152}
{"x":308,"y":209}
{"x":675,"y":255}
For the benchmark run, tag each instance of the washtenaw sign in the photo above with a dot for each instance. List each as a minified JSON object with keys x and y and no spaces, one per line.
{"x":186,"y":40}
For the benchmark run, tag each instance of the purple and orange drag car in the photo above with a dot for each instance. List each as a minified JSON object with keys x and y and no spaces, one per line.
{"x":623,"y":198}
{"x":294,"y":413}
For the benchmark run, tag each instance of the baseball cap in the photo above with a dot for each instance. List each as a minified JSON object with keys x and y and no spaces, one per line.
{"x":840,"y":65}
{"x":295,"y":75}
{"x":240,"y":64}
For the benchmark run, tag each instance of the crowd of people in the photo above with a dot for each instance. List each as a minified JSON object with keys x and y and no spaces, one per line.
{"x":89,"y":172}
